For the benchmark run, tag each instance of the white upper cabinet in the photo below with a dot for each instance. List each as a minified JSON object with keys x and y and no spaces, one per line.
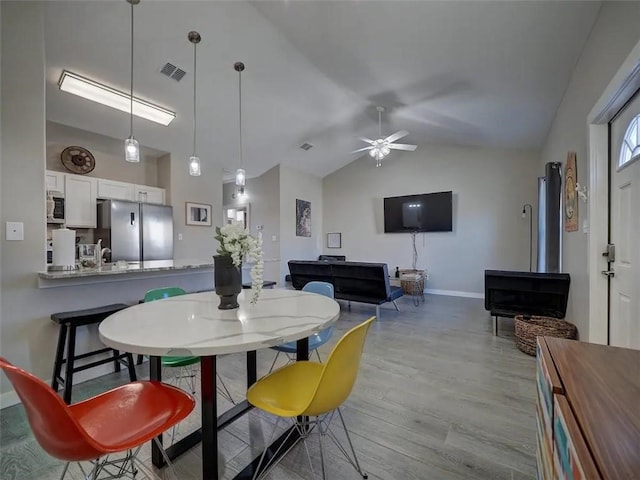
{"x":54,"y":181}
{"x":145,"y":194}
{"x":80,"y":201}
{"x":115,"y":190}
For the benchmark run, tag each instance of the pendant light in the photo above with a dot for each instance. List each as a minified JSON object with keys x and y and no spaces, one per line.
{"x":194,"y":160}
{"x":131,"y":147}
{"x":241,"y":175}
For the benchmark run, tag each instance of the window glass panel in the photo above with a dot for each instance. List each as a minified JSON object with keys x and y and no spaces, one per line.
{"x":631,"y":143}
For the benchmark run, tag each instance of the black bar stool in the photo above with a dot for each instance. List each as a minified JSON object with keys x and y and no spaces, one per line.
{"x":69,"y":322}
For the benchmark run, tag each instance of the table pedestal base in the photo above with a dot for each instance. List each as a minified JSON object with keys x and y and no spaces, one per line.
{"x":211,"y":422}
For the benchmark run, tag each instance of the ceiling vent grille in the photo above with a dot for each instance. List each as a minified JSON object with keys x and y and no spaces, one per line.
{"x":306,"y":146}
{"x":172,"y":71}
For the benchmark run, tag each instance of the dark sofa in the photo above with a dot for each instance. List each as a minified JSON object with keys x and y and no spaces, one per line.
{"x":353,"y":281}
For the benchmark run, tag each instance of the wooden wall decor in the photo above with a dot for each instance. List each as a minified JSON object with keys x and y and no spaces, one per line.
{"x":570,"y":194}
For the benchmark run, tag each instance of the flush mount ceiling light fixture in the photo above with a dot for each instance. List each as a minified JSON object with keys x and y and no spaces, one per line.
{"x":91,"y":90}
{"x":241,"y":175}
{"x":194,"y":160}
{"x":381,"y":147}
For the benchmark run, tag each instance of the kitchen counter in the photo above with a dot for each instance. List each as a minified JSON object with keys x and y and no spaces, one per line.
{"x":113,"y":272}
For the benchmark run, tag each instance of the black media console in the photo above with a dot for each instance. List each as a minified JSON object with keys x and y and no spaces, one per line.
{"x":507,"y":294}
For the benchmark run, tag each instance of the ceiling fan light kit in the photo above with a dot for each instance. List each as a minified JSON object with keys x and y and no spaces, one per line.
{"x":381,"y":147}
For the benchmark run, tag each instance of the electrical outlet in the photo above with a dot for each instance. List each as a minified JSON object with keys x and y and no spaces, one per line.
{"x":274,"y":238}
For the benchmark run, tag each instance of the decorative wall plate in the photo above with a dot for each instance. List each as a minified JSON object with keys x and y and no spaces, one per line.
{"x":78,"y":160}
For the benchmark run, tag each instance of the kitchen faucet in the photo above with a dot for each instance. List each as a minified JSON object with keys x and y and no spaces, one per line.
{"x":100,"y":252}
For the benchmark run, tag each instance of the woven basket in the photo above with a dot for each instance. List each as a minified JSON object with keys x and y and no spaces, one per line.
{"x":529,"y":327}
{"x":412,"y":287}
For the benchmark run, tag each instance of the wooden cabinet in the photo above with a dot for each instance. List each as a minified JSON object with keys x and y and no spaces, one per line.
{"x":80,"y":201}
{"x":146,"y":194}
{"x":81,"y":194}
{"x":588,"y":410}
{"x":115,"y":190}
{"x":54,"y":181}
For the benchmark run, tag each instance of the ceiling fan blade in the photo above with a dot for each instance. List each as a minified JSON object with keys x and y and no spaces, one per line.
{"x":403,"y":146}
{"x":368,"y":140}
{"x":396,"y":136}
{"x":362,"y":149}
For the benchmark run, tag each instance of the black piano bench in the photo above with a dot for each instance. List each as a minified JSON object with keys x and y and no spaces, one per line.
{"x":69,"y":322}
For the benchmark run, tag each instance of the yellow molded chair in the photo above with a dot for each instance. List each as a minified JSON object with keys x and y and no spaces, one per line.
{"x":316,"y":390}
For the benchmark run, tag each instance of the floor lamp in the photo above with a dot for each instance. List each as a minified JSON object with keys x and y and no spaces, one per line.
{"x":524,"y":214}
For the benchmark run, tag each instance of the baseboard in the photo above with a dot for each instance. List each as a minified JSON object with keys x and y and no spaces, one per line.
{"x":454,"y":293}
{"x":8,"y":399}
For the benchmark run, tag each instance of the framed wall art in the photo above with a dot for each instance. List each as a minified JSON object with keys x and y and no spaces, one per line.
{"x":198,"y":214}
{"x":303,"y":218}
{"x":334,"y":240}
{"x":570,"y":194}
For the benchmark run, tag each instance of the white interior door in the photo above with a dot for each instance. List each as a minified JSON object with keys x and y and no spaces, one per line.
{"x":624,"y":284}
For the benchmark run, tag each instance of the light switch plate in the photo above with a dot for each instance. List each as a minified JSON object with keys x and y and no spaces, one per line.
{"x":274,"y":238}
{"x":15,"y":231}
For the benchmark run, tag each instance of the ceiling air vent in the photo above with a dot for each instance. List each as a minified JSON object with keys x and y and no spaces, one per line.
{"x":172,"y":71}
{"x":306,"y":146}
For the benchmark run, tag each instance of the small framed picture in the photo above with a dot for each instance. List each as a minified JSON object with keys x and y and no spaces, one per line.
{"x":334,"y":240}
{"x":198,"y":214}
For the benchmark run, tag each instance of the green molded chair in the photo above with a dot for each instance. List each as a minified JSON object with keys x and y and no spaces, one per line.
{"x":183,"y":362}
{"x":166,"y":292}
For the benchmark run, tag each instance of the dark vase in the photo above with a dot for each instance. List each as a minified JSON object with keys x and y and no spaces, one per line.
{"x":228,"y":281}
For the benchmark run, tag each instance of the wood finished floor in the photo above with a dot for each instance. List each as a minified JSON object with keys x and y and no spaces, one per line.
{"x":437,"y":397}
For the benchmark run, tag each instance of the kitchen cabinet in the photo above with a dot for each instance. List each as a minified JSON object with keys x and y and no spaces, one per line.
{"x":54,"y":181}
{"x":80,"y":201}
{"x":587,"y":410}
{"x":115,"y":190}
{"x":146,"y":194}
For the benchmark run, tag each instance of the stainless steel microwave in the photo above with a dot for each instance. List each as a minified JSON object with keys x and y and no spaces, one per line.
{"x":55,"y":213}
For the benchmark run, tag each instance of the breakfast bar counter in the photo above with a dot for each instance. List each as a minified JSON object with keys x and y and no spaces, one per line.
{"x":115,"y":272}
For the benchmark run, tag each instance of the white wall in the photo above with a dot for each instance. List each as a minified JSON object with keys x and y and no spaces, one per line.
{"x":614,"y":34}
{"x":295,"y":184}
{"x":263,"y":197}
{"x":27,"y":335}
{"x":108,"y":152}
{"x":197,"y":242}
{"x":489,"y":189}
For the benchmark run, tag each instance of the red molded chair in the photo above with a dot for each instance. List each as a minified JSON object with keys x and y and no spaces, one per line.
{"x":120,"y":420}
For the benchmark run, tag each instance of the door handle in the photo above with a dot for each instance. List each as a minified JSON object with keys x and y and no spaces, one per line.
{"x":133,"y":218}
{"x":608,"y":273}
{"x":610,"y":252}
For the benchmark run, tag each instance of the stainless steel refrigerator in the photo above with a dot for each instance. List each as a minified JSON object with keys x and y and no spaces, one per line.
{"x":136,"y":231}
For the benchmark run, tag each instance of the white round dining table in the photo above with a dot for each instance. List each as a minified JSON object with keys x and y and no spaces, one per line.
{"x":192,"y":325}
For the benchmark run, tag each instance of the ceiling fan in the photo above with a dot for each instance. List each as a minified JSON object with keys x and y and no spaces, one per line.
{"x":381,"y":147}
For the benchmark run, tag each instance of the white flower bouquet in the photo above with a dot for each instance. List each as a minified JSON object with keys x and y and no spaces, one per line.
{"x":242,"y":247}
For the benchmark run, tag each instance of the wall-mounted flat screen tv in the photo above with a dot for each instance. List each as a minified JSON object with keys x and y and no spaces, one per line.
{"x":427,"y":212}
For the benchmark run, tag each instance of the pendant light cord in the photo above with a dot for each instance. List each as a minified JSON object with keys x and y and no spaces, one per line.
{"x":240,"y":112}
{"x":131,"y":104}
{"x":194,"y":99}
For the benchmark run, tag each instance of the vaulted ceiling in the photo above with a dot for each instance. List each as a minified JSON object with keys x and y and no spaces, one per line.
{"x":469,"y":73}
